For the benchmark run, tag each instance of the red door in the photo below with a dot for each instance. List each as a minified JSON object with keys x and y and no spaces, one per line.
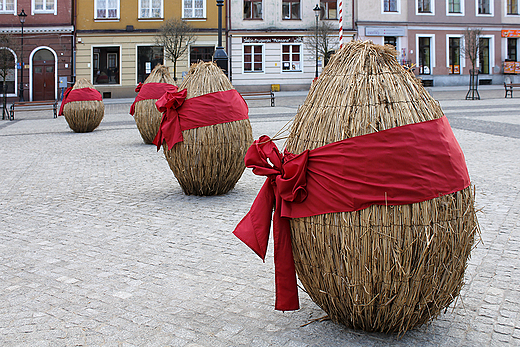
{"x":43,"y":80}
{"x":43,"y":75}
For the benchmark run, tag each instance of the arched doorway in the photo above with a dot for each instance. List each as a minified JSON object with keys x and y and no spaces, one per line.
{"x":43,"y":75}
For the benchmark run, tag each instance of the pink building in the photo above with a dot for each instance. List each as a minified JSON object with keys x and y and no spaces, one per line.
{"x":47,"y":52}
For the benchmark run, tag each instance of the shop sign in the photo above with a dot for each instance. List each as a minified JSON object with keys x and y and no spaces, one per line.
{"x":268,"y":39}
{"x":510,"y":33}
{"x":384,"y":31}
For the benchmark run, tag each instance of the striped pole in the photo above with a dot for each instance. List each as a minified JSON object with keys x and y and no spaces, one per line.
{"x":340,"y":23}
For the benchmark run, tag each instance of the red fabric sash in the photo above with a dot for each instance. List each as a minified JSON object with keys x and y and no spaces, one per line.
{"x":81,"y":94}
{"x":180,"y":114}
{"x":149,"y":91}
{"x":402,"y":165}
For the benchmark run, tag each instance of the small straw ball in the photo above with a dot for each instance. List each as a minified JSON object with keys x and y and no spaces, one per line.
{"x":385,"y":268}
{"x":83,"y":116}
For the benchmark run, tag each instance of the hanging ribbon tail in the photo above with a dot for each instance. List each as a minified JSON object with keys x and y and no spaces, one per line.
{"x":284,"y":269}
{"x":253,"y":229}
{"x":64,"y":100}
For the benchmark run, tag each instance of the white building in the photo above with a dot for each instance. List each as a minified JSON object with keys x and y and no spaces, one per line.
{"x":266,"y":40}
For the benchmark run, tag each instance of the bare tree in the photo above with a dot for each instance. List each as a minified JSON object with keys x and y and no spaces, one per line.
{"x":471,"y":50}
{"x":325,"y":39}
{"x":7,"y":43}
{"x":472,"y":45}
{"x":175,"y":36}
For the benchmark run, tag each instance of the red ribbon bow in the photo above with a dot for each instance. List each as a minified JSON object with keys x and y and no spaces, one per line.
{"x":152,"y":90}
{"x":286,"y":181}
{"x":170,"y":128}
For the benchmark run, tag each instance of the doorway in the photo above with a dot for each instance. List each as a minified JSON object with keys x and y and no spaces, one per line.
{"x":43,"y":75}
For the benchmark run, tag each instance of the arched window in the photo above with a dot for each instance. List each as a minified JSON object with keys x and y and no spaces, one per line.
{"x":7,"y":70}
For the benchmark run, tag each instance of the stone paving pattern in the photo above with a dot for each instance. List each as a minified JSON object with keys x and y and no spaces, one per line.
{"x":100,"y":247}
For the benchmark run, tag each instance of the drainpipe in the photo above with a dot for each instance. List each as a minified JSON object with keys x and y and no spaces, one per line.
{"x":73,"y":43}
{"x":228,"y":39}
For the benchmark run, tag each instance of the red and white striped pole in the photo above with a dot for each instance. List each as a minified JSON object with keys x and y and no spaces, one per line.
{"x":340,"y":23}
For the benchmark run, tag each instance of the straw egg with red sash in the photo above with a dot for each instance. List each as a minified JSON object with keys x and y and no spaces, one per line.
{"x":82,"y":106}
{"x":373,"y":208}
{"x":205,"y":131}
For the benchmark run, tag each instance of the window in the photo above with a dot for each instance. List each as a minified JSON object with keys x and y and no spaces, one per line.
{"x":150,"y":8}
{"x":7,"y":6}
{"x":252,"y":9}
{"x":200,"y":53}
{"x":454,"y":55}
{"x":291,"y":58}
{"x":424,"y":56}
{"x":424,"y":6}
{"x":391,"y":40}
{"x":390,"y":6}
{"x":290,"y":9}
{"x":484,"y":7}
{"x":7,"y":56}
{"x":483,"y":56}
{"x":253,"y":58}
{"x":455,"y":6}
{"x":193,"y":9}
{"x":105,"y":62}
{"x":329,"y":9}
{"x":147,"y":58}
{"x":107,"y":9}
{"x":44,"y":6}
{"x":512,"y":6}
{"x":511,"y":49}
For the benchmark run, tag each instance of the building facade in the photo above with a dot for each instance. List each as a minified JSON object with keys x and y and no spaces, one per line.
{"x":429,"y":35}
{"x":46,"y":55}
{"x":116,"y":46}
{"x":268,"y":40}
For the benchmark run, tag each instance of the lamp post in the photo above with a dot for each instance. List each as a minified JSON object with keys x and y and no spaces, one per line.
{"x":220,"y":57}
{"x":22,"y":17}
{"x":317,"y":10}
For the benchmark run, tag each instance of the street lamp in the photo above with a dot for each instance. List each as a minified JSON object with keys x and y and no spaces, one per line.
{"x":220,"y":57}
{"x":317,"y":11}
{"x":22,"y":17}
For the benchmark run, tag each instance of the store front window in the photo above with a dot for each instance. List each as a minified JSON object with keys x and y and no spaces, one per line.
{"x":454,"y":55}
{"x":147,"y":59}
{"x":201,"y":53}
{"x":291,"y":58}
{"x":105,"y":62}
{"x":424,"y":56}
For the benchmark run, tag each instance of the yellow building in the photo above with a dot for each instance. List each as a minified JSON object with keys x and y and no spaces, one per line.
{"x":115,"y":40}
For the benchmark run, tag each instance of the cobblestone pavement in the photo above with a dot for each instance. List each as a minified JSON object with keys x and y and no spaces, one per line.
{"x":100,"y":247}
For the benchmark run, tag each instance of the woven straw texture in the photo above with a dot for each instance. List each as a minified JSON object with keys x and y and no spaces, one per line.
{"x":210,"y":160}
{"x":83,"y":116}
{"x":146,"y":116}
{"x":384,"y":268}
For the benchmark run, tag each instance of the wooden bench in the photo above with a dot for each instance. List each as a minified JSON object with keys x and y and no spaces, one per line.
{"x":269,"y":94}
{"x":509,"y":88}
{"x":33,"y":106}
